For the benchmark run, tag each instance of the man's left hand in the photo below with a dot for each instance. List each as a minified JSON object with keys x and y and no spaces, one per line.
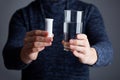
{"x":82,"y":50}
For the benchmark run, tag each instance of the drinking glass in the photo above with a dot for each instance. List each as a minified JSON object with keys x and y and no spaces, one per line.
{"x":72,"y":26}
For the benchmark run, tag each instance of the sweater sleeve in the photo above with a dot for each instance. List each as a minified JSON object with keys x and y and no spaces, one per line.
{"x":98,"y":37}
{"x":12,"y":49}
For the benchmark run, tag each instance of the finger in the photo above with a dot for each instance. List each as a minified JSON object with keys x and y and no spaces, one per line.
{"x":78,"y":48}
{"x":79,"y":55}
{"x":78,"y":42}
{"x":34,"y":50}
{"x":38,"y":39}
{"x":30,"y":54}
{"x":37,"y":33}
{"x":40,"y":49}
{"x":33,"y":56}
{"x":65,"y":43}
{"x":37,"y":45}
{"x":82,"y":37}
{"x":41,"y":44}
{"x":31,"y":50}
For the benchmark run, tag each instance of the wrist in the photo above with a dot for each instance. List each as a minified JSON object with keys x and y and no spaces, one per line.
{"x":24,"y":58}
{"x":93,"y":56}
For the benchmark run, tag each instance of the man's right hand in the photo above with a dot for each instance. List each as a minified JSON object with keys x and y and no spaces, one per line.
{"x":34,"y":42}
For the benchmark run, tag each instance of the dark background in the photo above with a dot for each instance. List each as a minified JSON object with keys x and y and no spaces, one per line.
{"x":110,"y":11}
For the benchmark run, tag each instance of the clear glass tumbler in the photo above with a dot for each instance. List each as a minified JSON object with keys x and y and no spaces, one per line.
{"x":72,"y":26}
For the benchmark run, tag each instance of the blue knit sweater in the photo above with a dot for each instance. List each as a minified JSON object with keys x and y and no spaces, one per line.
{"x":54,"y":63}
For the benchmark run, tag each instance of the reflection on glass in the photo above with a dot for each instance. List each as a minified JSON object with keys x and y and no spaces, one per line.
{"x":72,"y":26}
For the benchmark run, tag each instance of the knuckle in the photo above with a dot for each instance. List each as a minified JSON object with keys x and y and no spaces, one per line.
{"x":34,"y":49}
{"x":84,"y":35}
{"x":84,"y":42}
{"x":77,"y":42}
{"x":36,"y":38}
{"x":34,"y":44}
{"x":44,"y":44}
{"x":41,"y":38}
{"x":32,"y":56}
{"x":25,"y":39}
{"x":83,"y":50}
{"x":35,"y":32}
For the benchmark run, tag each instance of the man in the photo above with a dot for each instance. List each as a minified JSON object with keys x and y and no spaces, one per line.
{"x":43,"y":58}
